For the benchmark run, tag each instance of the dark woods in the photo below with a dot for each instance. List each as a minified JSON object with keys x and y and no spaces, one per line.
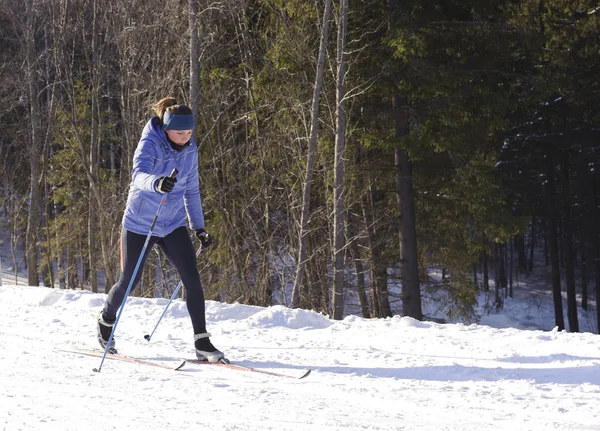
{"x":347,"y":148}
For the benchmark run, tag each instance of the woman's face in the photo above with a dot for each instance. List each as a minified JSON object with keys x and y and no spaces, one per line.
{"x":180,"y":137}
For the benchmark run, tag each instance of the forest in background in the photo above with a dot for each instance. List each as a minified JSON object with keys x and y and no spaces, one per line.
{"x":338,"y":140}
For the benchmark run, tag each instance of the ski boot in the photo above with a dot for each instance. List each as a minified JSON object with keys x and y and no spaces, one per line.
{"x":205,"y":351}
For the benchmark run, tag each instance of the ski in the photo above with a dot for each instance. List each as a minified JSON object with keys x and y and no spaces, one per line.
{"x":123,"y":358}
{"x":181,"y":363}
{"x":238,"y":367}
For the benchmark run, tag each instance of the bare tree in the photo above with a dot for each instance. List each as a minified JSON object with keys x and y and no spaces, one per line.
{"x":194,"y":60}
{"x":310,"y":158}
{"x":338,"y":186}
{"x":93,"y":149}
{"x":35,"y":141}
{"x":378,"y":292}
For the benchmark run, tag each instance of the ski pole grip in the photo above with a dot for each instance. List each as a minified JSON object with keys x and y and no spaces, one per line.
{"x":174,"y":173}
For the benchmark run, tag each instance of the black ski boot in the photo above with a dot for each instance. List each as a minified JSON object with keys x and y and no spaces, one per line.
{"x":104,"y":330}
{"x":205,"y":351}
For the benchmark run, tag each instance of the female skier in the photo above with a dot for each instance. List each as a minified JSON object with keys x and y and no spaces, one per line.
{"x":165,"y":145}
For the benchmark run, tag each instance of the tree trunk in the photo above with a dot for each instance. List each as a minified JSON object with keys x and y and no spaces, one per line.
{"x":46,"y":202}
{"x":502,"y":266}
{"x":568,"y":247}
{"x":553,"y":247}
{"x":310,"y":158}
{"x":49,"y":268}
{"x":407,"y":232}
{"x":409,"y":260}
{"x":93,"y":159}
{"x":546,"y":245}
{"x":380,"y":303}
{"x":497,"y":276}
{"x":194,"y":62}
{"x":375,"y":311}
{"x":34,"y":147}
{"x":92,"y":243}
{"x":584,"y":274}
{"x":519,"y":246}
{"x":587,"y":232}
{"x":486,"y":274}
{"x":358,"y":267}
{"x":510,"y":271}
{"x":596,"y":241}
{"x":338,"y":180}
{"x":531,"y":245}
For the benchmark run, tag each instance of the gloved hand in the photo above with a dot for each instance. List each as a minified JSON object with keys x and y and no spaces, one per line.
{"x":204,"y":237}
{"x":166,"y":184}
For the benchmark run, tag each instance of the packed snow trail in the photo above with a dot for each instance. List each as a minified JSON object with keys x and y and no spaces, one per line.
{"x":385,"y":374}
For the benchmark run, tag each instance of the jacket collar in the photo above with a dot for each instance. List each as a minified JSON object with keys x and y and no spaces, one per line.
{"x":154,"y":130}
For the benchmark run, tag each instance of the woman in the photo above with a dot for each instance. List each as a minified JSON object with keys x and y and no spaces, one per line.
{"x":165,"y":145}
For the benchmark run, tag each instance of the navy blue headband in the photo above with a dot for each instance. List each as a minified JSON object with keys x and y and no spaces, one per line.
{"x":178,"y":121}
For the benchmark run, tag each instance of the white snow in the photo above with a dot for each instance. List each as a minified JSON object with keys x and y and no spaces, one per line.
{"x":385,"y":374}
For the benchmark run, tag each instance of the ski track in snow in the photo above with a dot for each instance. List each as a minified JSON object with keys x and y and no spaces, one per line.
{"x":384,"y":374}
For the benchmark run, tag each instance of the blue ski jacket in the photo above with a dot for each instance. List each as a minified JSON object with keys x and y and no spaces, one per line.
{"x":154,"y":158}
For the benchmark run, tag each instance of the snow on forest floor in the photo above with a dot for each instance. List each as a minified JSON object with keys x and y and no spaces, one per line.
{"x":381,"y":374}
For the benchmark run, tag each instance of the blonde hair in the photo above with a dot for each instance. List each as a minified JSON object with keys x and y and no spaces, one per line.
{"x":169,"y":104}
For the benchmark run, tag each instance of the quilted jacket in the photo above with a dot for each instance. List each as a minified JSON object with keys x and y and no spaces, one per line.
{"x":154,"y":158}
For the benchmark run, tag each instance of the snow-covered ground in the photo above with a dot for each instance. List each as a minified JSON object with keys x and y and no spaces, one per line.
{"x":387,"y":374}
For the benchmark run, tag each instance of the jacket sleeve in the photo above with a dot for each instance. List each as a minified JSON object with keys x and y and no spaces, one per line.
{"x":191,"y":198}
{"x":143,"y":166}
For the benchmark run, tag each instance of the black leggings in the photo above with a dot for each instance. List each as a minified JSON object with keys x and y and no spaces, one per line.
{"x":179,"y":249}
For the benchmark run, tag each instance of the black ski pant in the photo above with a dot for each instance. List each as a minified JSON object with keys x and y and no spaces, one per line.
{"x":179,"y":249}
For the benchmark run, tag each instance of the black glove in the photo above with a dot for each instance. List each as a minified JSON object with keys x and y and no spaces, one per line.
{"x":204,"y":237}
{"x":166,"y":184}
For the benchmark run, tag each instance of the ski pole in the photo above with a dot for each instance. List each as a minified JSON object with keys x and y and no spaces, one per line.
{"x":149,"y":336}
{"x":112,"y":333}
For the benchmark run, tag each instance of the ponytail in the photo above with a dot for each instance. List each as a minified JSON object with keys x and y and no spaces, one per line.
{"x":162,"y":105}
